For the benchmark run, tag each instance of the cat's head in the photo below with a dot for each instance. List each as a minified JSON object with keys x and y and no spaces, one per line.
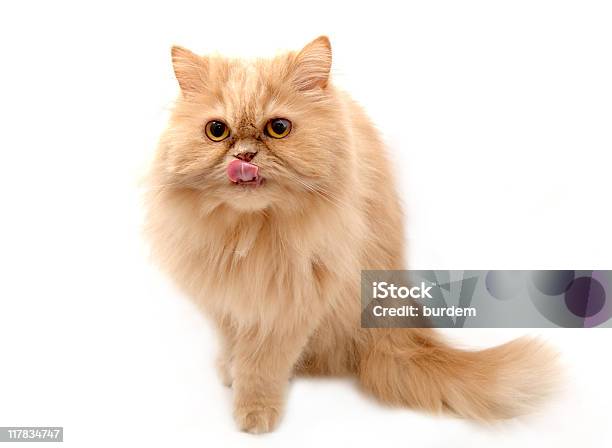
{"x":257,"y":134}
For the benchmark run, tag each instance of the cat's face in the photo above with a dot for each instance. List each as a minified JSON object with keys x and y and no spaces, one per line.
{"x":256,"y":134}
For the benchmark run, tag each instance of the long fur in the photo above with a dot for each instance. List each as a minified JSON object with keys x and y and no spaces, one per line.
{"x":277,"y":267}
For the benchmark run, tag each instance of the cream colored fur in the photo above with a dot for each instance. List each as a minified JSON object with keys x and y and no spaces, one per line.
{"x":278,"y":266}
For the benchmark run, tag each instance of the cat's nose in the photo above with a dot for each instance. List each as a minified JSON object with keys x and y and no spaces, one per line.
{"x":246,"y":156}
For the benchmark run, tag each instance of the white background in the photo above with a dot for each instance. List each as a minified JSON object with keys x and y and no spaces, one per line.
{"x":498,"y":117}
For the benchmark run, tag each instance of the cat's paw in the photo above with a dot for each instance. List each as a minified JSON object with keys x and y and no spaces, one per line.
{"x":256,"y":418}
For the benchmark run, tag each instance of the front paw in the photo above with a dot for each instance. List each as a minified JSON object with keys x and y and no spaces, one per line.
{"x":257,"y":417}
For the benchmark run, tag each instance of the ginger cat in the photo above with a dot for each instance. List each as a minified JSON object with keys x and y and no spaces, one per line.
{"x":270,"y":192}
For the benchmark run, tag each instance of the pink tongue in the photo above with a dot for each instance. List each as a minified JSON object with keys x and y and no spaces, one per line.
{"x":241,"y":171}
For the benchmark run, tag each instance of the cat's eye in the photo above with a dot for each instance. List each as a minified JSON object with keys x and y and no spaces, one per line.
{"x":216,"y":130}
{"x":278,"y":128}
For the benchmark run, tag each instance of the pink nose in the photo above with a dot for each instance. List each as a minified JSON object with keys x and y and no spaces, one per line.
{"x":241,"y":171}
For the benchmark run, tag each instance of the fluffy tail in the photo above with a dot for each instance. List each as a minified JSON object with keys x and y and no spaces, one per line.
{"x":414,"y":367}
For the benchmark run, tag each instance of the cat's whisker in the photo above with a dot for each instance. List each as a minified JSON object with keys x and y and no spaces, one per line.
{"x":328,"y":196}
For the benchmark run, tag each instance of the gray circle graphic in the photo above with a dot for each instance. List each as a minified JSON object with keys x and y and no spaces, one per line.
{"x":552,"y":283}
{"x":503,"y":285}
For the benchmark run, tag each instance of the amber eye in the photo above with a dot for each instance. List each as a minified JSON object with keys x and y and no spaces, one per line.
{"x":278,"y":128}
{"x":216,"y":130}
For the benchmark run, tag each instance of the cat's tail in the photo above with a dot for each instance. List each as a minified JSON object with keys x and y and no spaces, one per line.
{"x":416,"y":368}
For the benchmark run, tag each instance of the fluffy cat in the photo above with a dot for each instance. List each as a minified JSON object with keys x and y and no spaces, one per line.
{"x":270,"y":192}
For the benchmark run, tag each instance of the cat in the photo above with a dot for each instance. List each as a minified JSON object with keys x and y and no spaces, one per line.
{"x":269,"y":193}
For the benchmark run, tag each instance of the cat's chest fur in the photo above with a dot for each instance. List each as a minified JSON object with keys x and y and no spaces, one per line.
{"x":260,"y":270}
{"x":258,"y":266}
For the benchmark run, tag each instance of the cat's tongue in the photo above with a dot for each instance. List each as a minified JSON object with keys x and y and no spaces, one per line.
{"x":241,"y":171}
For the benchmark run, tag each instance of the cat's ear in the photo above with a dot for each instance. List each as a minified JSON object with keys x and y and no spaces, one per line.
{"x":312,"y":65}
{"x":190,"y":69}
